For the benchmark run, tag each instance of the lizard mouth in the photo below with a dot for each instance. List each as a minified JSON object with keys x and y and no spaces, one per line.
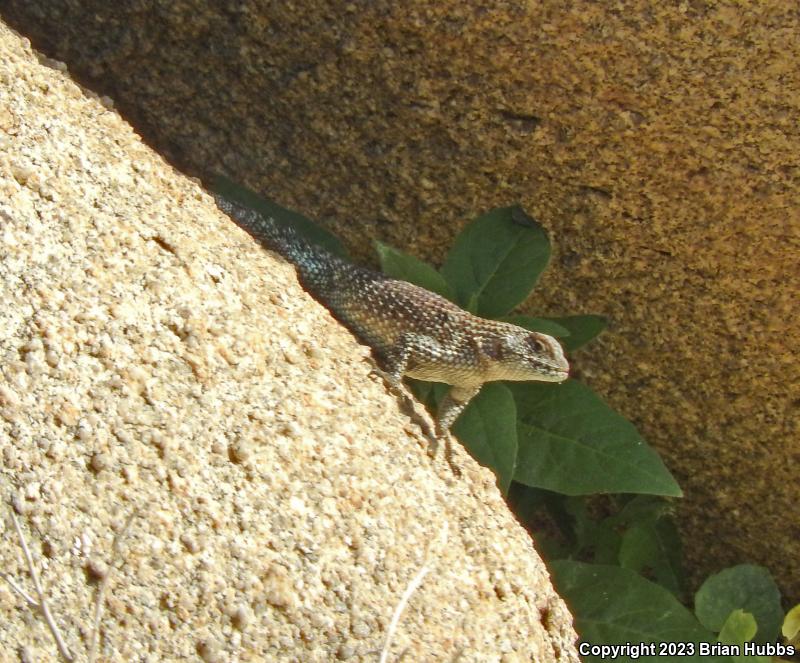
{"x":549,"y":373}
{"x":557,"y":373}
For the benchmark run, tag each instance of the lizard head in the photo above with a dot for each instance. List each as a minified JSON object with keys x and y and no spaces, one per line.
{"x":520,"y":354}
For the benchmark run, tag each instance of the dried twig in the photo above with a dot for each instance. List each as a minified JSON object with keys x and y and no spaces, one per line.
{"x":40,"y":605}
{"x":101,"y":591}
{"x":412,"y":587}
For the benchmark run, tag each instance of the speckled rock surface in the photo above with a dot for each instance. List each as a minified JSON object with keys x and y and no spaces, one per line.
{"x":155,"y":362}
{"x":658,"y":143}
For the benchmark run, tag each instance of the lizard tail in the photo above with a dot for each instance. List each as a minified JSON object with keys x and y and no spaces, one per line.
{"x":268,"y":232}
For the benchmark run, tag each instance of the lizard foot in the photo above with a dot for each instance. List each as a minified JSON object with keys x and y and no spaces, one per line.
{"x":430,"y":430}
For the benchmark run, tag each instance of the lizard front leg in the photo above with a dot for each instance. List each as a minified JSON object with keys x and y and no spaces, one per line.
{"x":412,"y":350}
{"x":409,"y":351}
{"x":393,"y":363}
{"x":450,"y":408}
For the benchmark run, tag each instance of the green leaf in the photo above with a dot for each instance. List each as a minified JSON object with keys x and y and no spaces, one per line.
{"x":571,"y":442}
{"x":791,"y":624}
{"x":739,"y":627}
{"x":654,"y":549}
{"x":582,"y":525}
{"x":600,"y":538}
{"x":745,"y":586}
{"x":488,"y":429}
{"x":423,"y":392}
{"x":581,"y":329}
{"x":496,"y":260}
{"x":400,"y":265}
{"x":614,"y":606}
{"x":640,"y":509}
{"x":303,"y":225}
{"x":541,"y":325}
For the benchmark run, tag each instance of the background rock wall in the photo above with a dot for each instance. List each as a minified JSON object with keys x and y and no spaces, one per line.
{"x":658,"y":144}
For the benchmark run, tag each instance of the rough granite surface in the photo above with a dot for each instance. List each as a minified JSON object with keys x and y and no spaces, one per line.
{"x":657,"y":142}
{"x":155,"y":363}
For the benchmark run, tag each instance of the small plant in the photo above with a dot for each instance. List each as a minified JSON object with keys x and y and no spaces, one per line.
{"x":556,"y":447}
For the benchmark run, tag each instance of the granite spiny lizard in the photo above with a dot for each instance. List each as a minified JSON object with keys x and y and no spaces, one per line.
{"x":411,"y":330}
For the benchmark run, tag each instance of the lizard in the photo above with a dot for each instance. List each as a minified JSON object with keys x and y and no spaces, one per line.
{"x":411,"y":331}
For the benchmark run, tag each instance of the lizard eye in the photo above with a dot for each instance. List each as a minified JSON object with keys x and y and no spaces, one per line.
{"x":535,"y":344}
